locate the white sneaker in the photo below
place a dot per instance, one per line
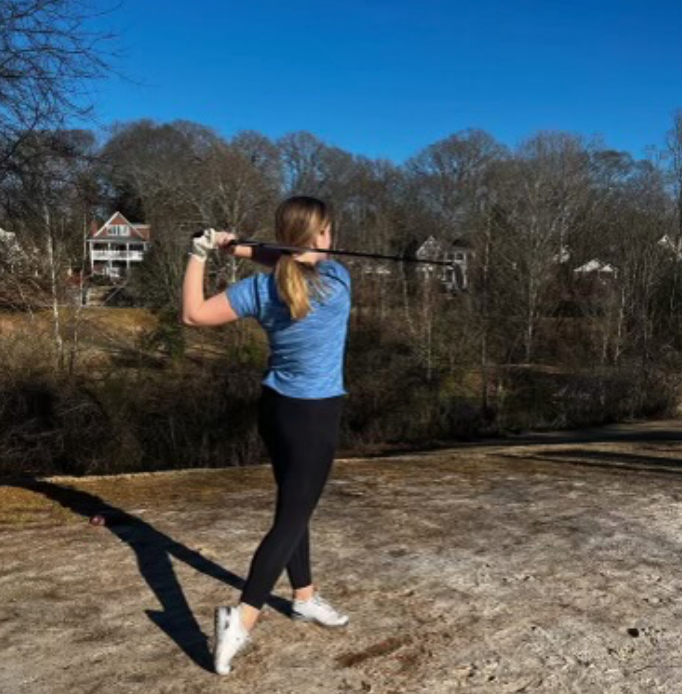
(231, 637)
(318, 610)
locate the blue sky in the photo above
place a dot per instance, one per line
(385, 78)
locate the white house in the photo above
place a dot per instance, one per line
(455, 277)
(376, 268)
(596, 266)
(10, 250)
(563, 256)
(117, 246)
(666, 243)
(15, 256)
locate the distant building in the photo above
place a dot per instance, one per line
(674, 247)
(10, 250)
(455, 277)
(596, 267)
(117, 246)
(563, 256)
(378, 268)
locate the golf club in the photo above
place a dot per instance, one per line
(336, 251)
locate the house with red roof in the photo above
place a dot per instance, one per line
(117, 246)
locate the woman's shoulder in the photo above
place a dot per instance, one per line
(260, 285)
(256, 281)
(336, 269)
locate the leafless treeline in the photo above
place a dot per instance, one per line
(534, 217)
(574, 307)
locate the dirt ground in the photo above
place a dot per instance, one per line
(548, 563)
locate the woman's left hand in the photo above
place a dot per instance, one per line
(223, 241)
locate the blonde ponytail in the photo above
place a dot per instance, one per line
(298, 220)
(294, 284)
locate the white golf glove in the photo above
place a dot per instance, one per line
(203, 244)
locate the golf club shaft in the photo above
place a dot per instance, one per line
(336, 251)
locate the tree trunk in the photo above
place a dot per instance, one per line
(54, 291)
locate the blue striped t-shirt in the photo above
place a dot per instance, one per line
(307, 355)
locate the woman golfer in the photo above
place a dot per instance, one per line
(303, 306)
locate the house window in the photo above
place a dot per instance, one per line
(459, 256)
(118, 230)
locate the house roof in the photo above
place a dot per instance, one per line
(595, 265)
(11, 248)
(137, 232)
(8, 239)
(669, 245)
(433, 247)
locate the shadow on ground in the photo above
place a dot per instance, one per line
(618, 461)
(634, 433)
(153, 552)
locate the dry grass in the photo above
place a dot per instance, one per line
(20, 506)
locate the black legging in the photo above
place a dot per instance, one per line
(301, 436)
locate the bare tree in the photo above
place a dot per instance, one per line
(180, 177)
(48, 57)
(674, 151)
(447, 174)
(48, 199)
(302, 158)
(543, 196)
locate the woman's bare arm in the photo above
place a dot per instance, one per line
(196, 310)
(262, 256)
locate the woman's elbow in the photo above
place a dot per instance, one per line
(188, 320)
